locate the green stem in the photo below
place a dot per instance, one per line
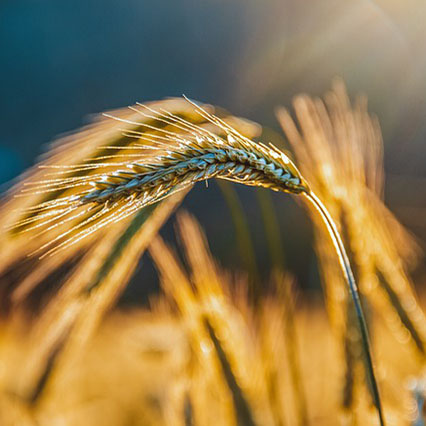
(244, 238)
(353, 288)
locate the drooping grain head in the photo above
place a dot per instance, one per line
(174, 155)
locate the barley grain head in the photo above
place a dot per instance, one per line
(168, 153)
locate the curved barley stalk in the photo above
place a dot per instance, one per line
(347, 270)
(339, 149)
(86, 197)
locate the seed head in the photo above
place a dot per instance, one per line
(172, 156)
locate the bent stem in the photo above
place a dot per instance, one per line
(347, 271)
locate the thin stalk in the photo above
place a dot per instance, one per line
(244, 238)
(353, 288)
(243, 412)
(286, 294)
(272, 228)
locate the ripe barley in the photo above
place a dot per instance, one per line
(163, 162)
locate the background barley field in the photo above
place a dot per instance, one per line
(224, 303)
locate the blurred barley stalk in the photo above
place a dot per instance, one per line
(200, 355)
(203, 354)
(340, 151)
